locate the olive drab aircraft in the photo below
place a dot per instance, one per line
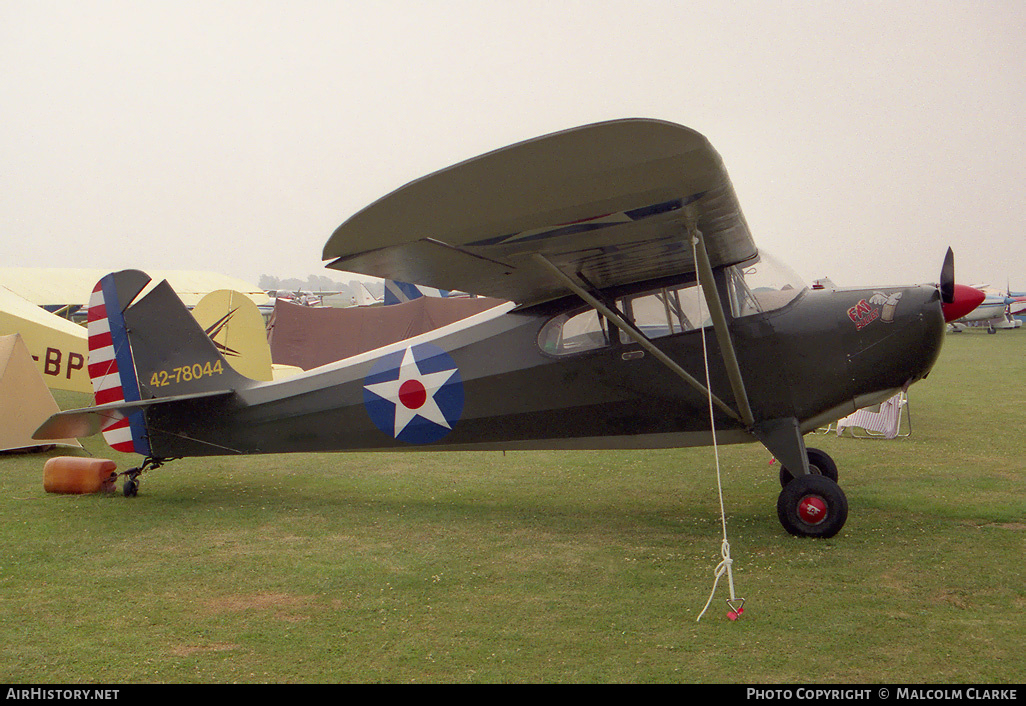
(621, 254)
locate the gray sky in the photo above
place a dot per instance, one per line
(862, 138)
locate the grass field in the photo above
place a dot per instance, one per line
(537, 567)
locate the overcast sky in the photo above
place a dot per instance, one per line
(862, 138)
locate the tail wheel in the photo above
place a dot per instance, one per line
(812, 506)
(131, 488)
(820, 464)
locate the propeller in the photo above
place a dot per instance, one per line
(957, 300)
(947, 278)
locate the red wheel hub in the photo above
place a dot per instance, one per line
(812, 509)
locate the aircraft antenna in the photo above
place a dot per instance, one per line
(735, 604)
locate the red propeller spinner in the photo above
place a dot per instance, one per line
(957, 300)
(963, 300)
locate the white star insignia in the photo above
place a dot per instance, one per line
(413, 394)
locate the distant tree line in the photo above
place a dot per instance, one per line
(313, 283)
(318, 283)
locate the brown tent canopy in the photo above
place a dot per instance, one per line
(308, 337)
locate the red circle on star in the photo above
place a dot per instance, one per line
(412, 394)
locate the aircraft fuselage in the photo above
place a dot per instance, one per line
(491, 383)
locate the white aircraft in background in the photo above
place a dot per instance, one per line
(363, 295)
(401, 292)
(1018, 309)
(994, 311)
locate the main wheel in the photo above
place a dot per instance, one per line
(820, 464)
(812, 506)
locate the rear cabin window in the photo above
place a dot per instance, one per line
(574, 333)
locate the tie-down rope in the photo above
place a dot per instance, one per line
(725, 565)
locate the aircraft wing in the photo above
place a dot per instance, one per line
(608, 201)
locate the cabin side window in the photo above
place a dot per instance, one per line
(657, 314)
(668, 311)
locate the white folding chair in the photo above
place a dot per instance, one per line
(881, 422)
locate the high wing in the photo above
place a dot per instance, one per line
(609, 202)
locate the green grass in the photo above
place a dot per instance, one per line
(540, 566)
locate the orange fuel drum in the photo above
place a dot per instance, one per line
(74, 474)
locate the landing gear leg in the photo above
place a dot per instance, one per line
(820, 464)
(131, 485)
(811, 503)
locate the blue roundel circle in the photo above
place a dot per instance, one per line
(414, 395)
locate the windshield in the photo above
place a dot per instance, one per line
(763, 285)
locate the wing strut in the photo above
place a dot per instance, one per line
(712, 300)
(635, 335)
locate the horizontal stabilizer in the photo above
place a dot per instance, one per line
(76, 423)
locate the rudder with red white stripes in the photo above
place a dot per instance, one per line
(111, 368)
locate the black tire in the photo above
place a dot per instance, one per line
(812, 506)
(820, 464)
(131, 488)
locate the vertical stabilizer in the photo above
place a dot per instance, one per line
(145, 347)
